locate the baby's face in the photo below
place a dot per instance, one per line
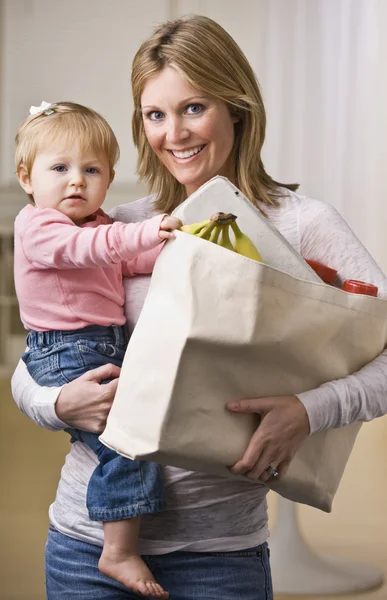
(68, 180)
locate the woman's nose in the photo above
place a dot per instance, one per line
(177, 130)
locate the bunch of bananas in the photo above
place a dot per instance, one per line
(216, 229)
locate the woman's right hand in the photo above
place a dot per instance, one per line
(85, 403)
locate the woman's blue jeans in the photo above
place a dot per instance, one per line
(72, 573)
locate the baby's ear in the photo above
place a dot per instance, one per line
(24, 180)
(112, 176)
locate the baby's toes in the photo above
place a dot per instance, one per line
(157, 591)
(143, 588)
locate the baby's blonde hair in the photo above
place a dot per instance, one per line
(70, 123)
(213, 63)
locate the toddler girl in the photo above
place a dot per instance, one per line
(69, 261)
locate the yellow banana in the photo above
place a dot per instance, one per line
(194, 228)
(216, 230)
(215, 233)
(243, 244)
(225, 241)
(206, 231)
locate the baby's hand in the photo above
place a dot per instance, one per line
(168, 224)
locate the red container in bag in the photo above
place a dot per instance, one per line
(327, 274)
(360, 287)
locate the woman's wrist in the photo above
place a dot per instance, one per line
(321, 408)
(61, 404)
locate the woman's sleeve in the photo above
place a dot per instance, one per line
(362, 396)
(35, 401)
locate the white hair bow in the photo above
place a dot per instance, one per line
(45, 107)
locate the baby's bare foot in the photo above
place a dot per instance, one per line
(132, 572)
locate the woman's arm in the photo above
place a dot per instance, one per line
(83, 403)
(362, 396)
(35, 401)
(286, 421)
(358, 397)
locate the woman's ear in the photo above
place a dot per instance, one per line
(235, 116)
(24, 180)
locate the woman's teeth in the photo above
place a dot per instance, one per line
(187, 153)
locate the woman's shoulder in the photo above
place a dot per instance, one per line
(296, 201)
(296, 214)
(133, 212)
(300, 205)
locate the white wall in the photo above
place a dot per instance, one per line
(77, 50)
(322, 65)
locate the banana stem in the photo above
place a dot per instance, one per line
(223, 218)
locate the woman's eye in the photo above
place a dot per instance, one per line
(92, 170)
(155, 115)
(194, 109)
(60, 168)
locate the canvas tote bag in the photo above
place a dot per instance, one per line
(216, 327)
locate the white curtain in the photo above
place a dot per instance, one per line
(322, 65)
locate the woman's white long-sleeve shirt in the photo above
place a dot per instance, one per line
(207, 513)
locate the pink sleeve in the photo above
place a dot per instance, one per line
(143, 263)
(51, 240)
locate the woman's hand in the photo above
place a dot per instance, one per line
(167, 226)
(85, 403)
(283, 428)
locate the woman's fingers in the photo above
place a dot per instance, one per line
(284, 426)
(100, 373)
(111, 388)
(85, 403)
(250, 457)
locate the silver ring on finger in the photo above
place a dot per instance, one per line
(271, 471)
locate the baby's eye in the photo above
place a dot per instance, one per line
(59, 168)
(92, 170)
(195, 109)
(155, 115)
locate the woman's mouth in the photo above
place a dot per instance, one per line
(185, 154)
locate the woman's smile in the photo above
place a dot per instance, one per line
(187, 155)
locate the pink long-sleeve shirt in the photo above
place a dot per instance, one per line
(69, 276)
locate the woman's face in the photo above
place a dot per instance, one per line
(191, 133)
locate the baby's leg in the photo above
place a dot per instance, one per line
(119, 492)
(121, 561)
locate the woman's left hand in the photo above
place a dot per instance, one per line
(283, 428)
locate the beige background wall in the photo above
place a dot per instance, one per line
(82, 50)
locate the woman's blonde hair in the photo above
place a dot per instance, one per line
(70, 123)
(212, 62)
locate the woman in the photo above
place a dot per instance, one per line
(199, 113)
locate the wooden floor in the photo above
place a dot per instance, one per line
(31, 460)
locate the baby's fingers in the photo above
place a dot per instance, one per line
(166, 235)
(170, 223)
